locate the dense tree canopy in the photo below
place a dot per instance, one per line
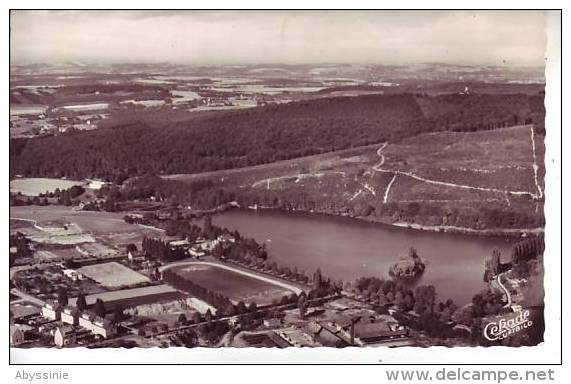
(138, 145)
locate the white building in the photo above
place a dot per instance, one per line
(209, 245)
(73, 274)
(96, 325)
(104, 328)
(226, 238)
(86, 319)
(196, 252)
(96, 184)
(64, 336)
(51, 311)
(179, 243)
(70, 316)
(273, 322)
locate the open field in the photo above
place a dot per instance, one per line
(113, 275)
(97, 250)
(235, 286)
(62, 239)
(35, 186)
(54, 231)
(17, 110)
(327, 163)
(20, 224)
(66, 253)
(96, 223)
(95, 234)
(46, 256)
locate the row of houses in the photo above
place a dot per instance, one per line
(74, 317)
(363, 332)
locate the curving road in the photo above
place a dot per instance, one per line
(506, 292)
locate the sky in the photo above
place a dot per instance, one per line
(289, 37)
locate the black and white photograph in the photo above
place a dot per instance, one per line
(280, 179)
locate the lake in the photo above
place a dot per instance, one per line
(347, 249)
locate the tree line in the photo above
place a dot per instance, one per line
(157, 249)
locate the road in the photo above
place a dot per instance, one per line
(25, 296)
(498, 280)
(535, 166)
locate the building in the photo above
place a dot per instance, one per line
(297, 338)
(265, 340)
(51, 311)
(136, 256)
(196, 252)
(179, 244)
(64, 336)
(369, 331)
(97, 325)
(226, 238)
(328, 335)
(208, 245)
(104, 327)
(273, 322)
(17, 335)
(85, 319)
(70, 316)
(73, 274)
(96, 184)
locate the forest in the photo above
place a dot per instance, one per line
(136, 144)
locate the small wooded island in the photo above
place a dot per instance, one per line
(408, 267)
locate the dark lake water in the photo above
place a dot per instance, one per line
(347, 249)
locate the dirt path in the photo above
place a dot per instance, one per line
(298, 177)
(379, 168)
(386, 197)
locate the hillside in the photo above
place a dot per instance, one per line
(137, 145)
(477, 180)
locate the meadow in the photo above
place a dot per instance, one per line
(36, 186)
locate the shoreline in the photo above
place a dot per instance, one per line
(449, 229)
(481, 232)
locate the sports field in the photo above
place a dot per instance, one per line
(235, 286)
(113, 274)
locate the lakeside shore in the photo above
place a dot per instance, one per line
(489, 232)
